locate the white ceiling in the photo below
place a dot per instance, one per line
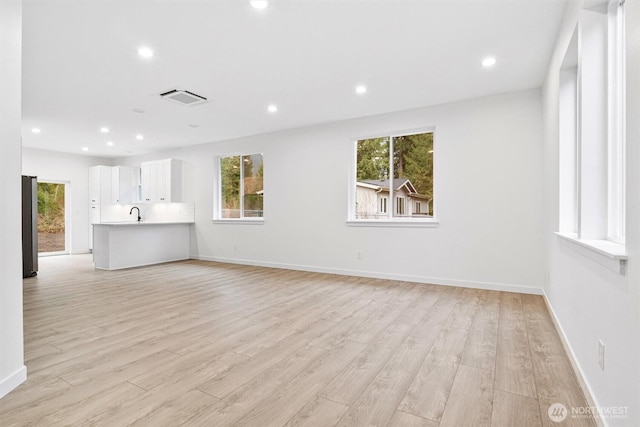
(81, 70)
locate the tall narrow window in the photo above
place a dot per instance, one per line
(383, 205)
(592, 129)
(616, 122)
(241, 187)
(396, 168)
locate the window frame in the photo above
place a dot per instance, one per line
(597, 227)
(400, 204)
(217, 185)
(616, 85)
(384, 204)
(391, 220)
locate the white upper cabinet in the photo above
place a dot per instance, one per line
(99, 184)
(124, 185)
(161, 181)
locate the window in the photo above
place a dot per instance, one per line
(399, 205)
(592, 122)
(398, 167)
(616, 121)
(383, 205)
(241, 187)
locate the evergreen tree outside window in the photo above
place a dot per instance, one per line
(398, 169)
(241, 187)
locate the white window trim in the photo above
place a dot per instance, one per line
(217, 196)
(243, 221)
(616, 122)
(400, 222)
(605, 252)
(602, 240)
(391, 221)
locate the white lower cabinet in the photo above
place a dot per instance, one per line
(94, 218)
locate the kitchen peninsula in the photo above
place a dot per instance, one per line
(120, 245)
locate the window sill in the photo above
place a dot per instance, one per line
(610, 254)
(238, 221)
(420, 223)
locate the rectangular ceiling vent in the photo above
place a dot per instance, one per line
(183, 97)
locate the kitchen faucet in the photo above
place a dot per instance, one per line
(131, 212)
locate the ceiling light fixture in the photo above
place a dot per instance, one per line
(259, 4)
(35, 130)
(85, 148)
(488, 62)
(361, 89)
(139, 137)
(110, 143)
(272, 108)
(145, 52)
(104, 130)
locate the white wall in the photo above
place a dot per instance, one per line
(74, 169)
(12, 369)
(488, 198)
(590, 301)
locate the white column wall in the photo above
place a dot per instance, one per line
(590, 301)
(12, 369)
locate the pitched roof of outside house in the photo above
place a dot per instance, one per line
(398, 183)
(384, 183)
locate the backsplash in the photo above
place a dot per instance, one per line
(150, 212)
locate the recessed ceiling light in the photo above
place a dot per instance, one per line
(145, 52)
(272, 108)
(85, 148)
(361, 89)
(104, 130)
(35, 130)
(259, 4)
(110, 143)
(489, 61)
(139, 137)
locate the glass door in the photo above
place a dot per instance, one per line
(52, 218)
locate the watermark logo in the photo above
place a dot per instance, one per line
(557, 412)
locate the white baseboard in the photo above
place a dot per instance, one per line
(165, 261)
(13, 381)
(584, 384)
(378, 275)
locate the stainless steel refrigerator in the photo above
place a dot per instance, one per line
(29, 226)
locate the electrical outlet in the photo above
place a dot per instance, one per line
(601, 354)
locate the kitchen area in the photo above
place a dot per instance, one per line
(137, 216)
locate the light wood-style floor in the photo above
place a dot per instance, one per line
(206, 344)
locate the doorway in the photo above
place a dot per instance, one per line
(52, 218)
